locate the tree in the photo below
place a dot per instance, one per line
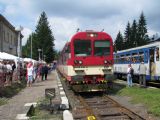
(26, 50)
(118, 44)
(127, 37)
(45, 39)
(142, 31)
(134, 35)
(42, 39)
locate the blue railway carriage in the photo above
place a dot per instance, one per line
(149, 54)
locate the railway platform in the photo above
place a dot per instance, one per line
(18, 105)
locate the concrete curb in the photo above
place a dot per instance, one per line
(67, 115)
(27, 108)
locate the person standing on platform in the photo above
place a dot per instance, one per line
(142, 75)
(9, 73)
(45, 71)
(42, 72)
(39, 73)
(1, 73)
(129, 75)
(30, 73)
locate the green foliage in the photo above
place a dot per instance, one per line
(142, 31)
(31, 111)
(42, 112)
(149, 97)
(118, 44)
(12, 90)
(127, 37)
(3, 101)
(57, 54)
(134, 35)
(42, 39)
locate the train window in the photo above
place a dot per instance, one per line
(82, 47)
(117, 58)
(128, 58)
(157, 54)
(135, 58)
(146, 56)
(101, 47)
(141, 56)
(114, 58)
(122, 58)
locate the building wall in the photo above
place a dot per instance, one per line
(0, 36)
(8, 37)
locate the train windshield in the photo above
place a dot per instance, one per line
(82, 47)
(101, 47)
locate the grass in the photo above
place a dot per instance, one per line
(148, 96)
(10, 91)
(42, 112)
(3, 101)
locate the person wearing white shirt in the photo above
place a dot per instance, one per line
(9, 73)
(29, 73)
(129, 76)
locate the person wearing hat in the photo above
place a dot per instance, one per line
(142, 74)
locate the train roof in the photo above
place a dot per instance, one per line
(157, 43)
(91, 31)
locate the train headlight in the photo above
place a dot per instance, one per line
(105, 61)
(91, 35)
(80, 62)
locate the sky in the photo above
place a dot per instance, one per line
(66, 16)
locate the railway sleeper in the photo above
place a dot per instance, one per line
(122, 117)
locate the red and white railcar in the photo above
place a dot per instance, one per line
(87, 61)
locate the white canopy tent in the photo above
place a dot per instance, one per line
(29, 59)
(6, 56)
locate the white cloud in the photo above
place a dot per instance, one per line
(26, 32)
(63, 29)
(65, 16)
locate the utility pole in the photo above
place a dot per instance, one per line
(39, 50)
(31, 46)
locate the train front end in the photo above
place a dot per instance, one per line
(90, 66)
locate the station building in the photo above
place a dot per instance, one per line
(9, 37)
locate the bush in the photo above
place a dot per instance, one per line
(3, 101)
(10, 91)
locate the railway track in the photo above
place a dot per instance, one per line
(102, 108)
(97, 107)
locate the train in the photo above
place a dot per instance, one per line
(86, 61)
(149, 54)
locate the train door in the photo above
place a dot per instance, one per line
(157, 63)
(152, 62)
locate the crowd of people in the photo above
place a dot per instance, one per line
(36, 72)
(7, 72)
(29, 71)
